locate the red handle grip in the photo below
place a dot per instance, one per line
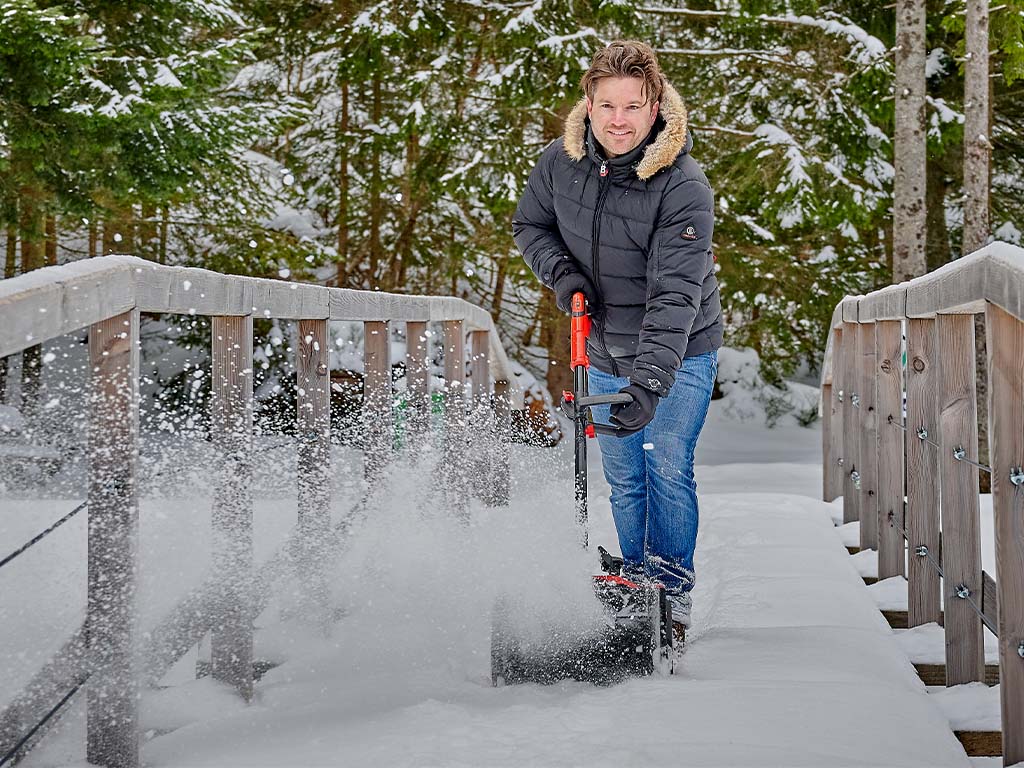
(580, 331)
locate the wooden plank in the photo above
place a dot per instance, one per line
(1005, 342)
(889, 394)
(829, 468)
(961, 534)
(189, 291)
(479, 367)
(417, 381)
(935, 674)
(922, 473)
(67, 669)
(313, 426)
(851, 426)
(53, 301)
(455, 480)
(231, 515)
(982, 743)
(378, 415)
(963, 286)
(889, 303)
(899, 619)
(868, 446)
(832, 425)
(112, 715)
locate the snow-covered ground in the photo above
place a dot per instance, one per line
(788, 663)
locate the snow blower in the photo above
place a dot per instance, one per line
(637, 628)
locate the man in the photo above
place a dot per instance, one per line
(618, 209)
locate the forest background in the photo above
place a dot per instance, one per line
(384, 145)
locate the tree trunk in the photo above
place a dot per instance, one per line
(10, 264)
(910, 148)
(118, 231)
(11, 260)
(499, 286)
(977, 169)
(94, 236)
(376, 203)
(33, 237)
(51, 240)
(977, 147)
(147, 232)
(165, 221)
(937, 249)
(555, 327)
(341, 277)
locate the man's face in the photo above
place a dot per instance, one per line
(620, 114)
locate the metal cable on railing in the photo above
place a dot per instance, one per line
(39, 537)
(25, 739)
(962, 591)
(959, 453)
(44, 534)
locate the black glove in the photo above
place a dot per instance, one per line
(638, 413)
(567, 283)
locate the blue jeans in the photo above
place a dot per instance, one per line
(654, 495)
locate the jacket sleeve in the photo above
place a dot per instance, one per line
(676, 269)
(535, 227)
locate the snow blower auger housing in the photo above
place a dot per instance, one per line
(638, 617)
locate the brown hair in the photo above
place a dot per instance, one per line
(626, 58)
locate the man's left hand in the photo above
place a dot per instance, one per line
(639, 413)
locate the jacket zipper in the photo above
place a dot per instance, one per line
(604, 186)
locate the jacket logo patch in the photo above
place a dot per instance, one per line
(689, 234)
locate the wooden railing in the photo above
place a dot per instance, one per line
(106, 295)
(903, 477)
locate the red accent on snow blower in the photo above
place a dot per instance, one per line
(580, 331)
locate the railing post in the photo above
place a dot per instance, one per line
(868, 464)
(961, 536)
(417, 381)
(502, 469)
(832, 424)
(231, 515)
(851, 425)
(313, 425)
(480, 367)
(112, 717)
(889, 390)
(455, 417)
(378, 418)
(1005, 342)
(922, 474)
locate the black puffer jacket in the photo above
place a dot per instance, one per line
(641, 232)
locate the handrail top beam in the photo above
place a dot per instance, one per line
(52, 301)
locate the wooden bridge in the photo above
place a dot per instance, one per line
(901, 476)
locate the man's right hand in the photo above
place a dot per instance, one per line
(570, 283)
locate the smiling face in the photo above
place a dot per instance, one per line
(620, 114)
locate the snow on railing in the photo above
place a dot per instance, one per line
(900, 445)
(106, 296)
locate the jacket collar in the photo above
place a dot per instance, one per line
(659, 151)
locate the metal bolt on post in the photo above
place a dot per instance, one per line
(962, 591)
(855, 399)
(840, 395)
(922, 433)
(855, 476)
(1017, 476)
(959, 453)
(1020, 650)
(921, 551)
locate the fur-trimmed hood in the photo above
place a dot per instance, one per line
(659, 154)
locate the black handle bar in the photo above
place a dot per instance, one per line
(612, 399)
